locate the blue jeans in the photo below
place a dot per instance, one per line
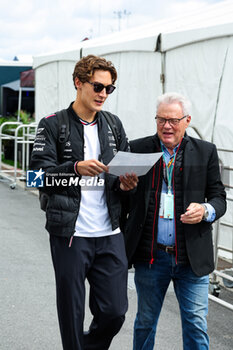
(192, 295)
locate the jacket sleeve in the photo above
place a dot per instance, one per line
(44, 154)
(215, 192)
(124, 147)
(123, 140)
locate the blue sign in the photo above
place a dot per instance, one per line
(35, 178)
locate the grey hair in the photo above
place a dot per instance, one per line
(174, 97)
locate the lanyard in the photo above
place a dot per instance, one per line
(169, 170)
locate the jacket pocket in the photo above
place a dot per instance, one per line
(54, 216)
(206, 231)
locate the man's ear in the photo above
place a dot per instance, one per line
(78, 83)
(188, 120)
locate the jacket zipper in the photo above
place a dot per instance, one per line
(156, 205)
(173, 182)
(72, 236)
(105, 178)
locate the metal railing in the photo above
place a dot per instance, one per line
(22, 134)
(221, 223)
(5, 173)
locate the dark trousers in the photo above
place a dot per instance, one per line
(103, 262)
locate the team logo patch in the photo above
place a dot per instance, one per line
(39, 130)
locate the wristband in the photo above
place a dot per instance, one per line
(76, 168)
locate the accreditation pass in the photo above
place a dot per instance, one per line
(166, 210)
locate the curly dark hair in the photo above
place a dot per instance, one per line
(86, 67)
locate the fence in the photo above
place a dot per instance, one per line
(226, 275)
(21, 134)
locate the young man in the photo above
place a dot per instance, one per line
(168, 233)
(83, 221)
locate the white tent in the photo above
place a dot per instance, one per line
(190, 54)
(193, 55)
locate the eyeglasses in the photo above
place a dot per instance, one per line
(173, 122)
(98, 87)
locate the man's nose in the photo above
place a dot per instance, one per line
(167, 124)
(103, 93)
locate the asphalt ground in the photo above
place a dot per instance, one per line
(28, 319)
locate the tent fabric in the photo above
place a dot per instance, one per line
(177, 42)
(190, 51)
(15, 85)
(200, 79)
(54, 87)
(171, 41)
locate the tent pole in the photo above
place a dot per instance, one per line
(218, 95)
(162, 75)
(1, 102)
(19, 104)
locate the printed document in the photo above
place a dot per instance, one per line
(138, 163)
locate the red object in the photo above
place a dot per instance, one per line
(27, 78)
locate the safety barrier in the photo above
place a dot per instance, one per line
(214, 285)
(26, 137)
(4, 173)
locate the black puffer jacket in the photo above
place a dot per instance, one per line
(64, 202)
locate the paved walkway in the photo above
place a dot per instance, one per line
(28, 319)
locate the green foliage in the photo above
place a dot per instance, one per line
(7, 144)
(25, 118)
(10, 162)
(8, 129)
(7, 119)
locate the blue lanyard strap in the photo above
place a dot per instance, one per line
(169, 170)
(170, 165)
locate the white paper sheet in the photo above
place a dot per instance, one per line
(138, 163)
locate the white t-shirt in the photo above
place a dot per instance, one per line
(93, 218)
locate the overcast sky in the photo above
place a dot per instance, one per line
(32, 27)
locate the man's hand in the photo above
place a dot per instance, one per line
(194, 214)
(91, 167)
(128, 181)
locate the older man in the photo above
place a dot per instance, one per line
(168, 232)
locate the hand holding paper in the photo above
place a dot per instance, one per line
(128, 182)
